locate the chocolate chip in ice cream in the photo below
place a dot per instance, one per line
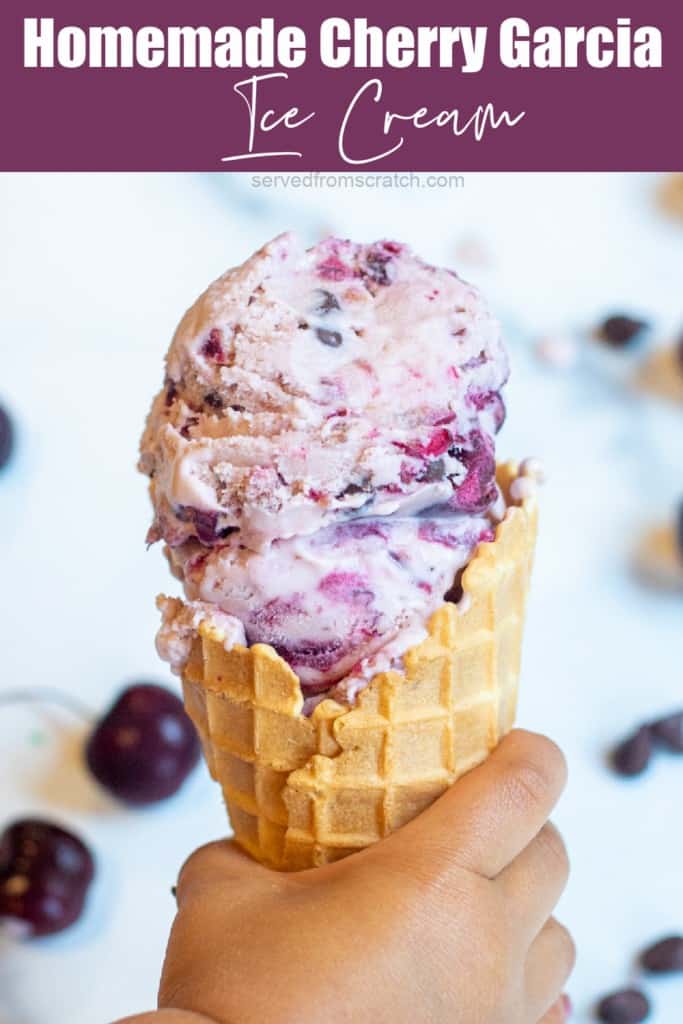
(454, 594)
(213, 399)
(629, 1006)
(434, 470)
(668, 731)
(325, 302)
(171, 393)
(618, 330)
(332, 339)
(350, 489)
(378, 261)
(632, 757)
(665, 956)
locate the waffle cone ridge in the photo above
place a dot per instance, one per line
(306, 791)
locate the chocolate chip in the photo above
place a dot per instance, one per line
(665, 956)
(171, 392)
(227, 531)
(376, 268)
(303, 325)
(213, 399)
(237, 408)
(629, 1006)
(350, 489)
(619, 330)
(326, 302)
(632, 756)
(669, 732)
(454, 594)
(332, 339)
(6, 438)
(434, 470)
(192, 421)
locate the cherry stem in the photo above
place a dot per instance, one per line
(48, 696)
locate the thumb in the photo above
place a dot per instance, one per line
(219, 864)
(489, 815)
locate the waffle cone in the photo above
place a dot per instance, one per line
(305, 791)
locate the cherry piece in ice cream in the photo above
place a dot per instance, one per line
(144, 747)
(45, 872)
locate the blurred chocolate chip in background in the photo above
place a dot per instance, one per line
(632, 757)
(669, 732)
(619, 330)
(6, 437)
(629, 1006)
(665, 956)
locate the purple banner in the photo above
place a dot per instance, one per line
(216, 86)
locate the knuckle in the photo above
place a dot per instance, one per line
(539, 767)
(566, 947)
(528, 786)
(194, 867)
(554, 848)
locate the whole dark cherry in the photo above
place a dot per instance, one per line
(145, 746)
(45, 873)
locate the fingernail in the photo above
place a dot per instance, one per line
(566, 1006)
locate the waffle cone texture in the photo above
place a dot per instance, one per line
(306, 791)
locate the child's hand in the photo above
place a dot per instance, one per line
(445, 922)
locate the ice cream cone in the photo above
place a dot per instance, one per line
(305, 791)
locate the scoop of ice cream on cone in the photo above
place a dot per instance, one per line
(321, 456)
(324, 601)
(311, 385)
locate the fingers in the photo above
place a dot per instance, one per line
(490, 815)
(549, 963)
(536, 879)
(217, 864)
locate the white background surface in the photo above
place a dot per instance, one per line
(95, 272)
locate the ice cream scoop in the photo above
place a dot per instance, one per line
(309, 385)
(326, 600)
(321, 455)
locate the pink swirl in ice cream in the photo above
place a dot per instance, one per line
(322, 453)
